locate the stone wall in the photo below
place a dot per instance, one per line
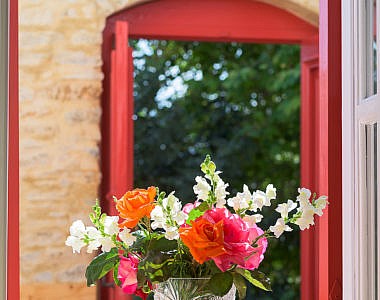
(60, 87)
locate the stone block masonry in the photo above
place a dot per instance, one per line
(60, 87)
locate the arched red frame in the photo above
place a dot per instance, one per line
(251, 22)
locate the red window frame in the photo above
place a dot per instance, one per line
(322, 276)
(251, 22)
(13, 257)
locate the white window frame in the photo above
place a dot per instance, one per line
(356, 111)
(3, 144)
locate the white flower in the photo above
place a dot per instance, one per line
(180, 218)
(78, 229)
(304, 196)
(242, 201)
(279, 227)
(320, 204)
(285, 208)
(111, 225)
(75, 242)
(307, 217)
(254, 219)
(259, 200)
(172, 233)
(157, 215)
(270, 192)
(202, 188)
(168, 215)
(76, 237)
(171, 203)
(127, 237)
(107, 243)
(221, 193)
(93, 235)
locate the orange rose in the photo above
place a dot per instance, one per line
(204, 239)
(135, 205)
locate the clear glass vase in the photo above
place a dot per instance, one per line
(188, 289)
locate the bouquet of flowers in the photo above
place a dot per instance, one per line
(217, 237)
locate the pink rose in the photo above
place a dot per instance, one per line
(189, 206)
(238, 238)
(127, 273)
(254, 261)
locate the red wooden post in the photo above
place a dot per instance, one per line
(330, 151)
(118, 168)
(309, 153)
(13, 257)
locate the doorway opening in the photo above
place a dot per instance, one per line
(238, 102)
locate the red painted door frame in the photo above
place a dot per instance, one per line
(251, 22)
(309, 154)
(330, 150)
(13, 257)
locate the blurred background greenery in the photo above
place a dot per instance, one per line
(238, 102)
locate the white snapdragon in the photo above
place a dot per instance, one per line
(111, 226)
(169, 216)
(270, 193)
(279, 227)
(157, 215)
(81, 236)
(221, 193)
(202, 188)
(308, 208)
(307, 217)
(77, 235)
(304, 196)
(127, 237)
(93, 236)
(180, 218)
(253, 219)
(171, 233)
(107, 243)
(320, 204)
(78, 229)
(242, 201)
(285, 208)
(259, 200)
(171, 204)
(75, 242)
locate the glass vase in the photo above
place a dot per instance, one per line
(188, 289)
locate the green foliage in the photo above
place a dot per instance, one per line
(220, 283)
(256, 277)
(240, 104)
(101, 265)
(197, 212)
(240, 285)
(115, 273)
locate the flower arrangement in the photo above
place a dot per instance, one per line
(154, 238)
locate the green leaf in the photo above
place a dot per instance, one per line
(141, 240)
(197, 212)
(257, 278)
(101, 265)
(240, 285)
(160, 243)
(193, 215)
(155, 266)
(220, 283)
(115, 273)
